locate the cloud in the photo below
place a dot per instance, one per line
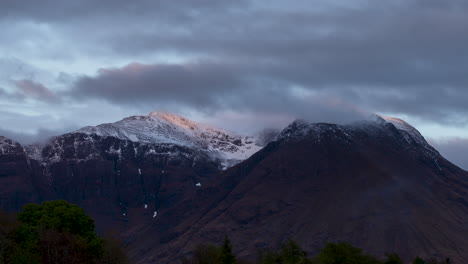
(28, 129)
(323, 60)
(51, 11)
(454, 149)
(13, 69)
(196, 84)
(401, 57)
(35, 90)
(38, 137)
(212, 87)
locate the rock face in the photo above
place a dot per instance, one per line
(19, 176)
(123, 172)
(110, 177)
(159, 181)
(225, 147)
(141, 162)
(376, 184)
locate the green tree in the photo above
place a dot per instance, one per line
(205, 254)
(113, 251)
(343, 253)
(8, 225)
(418, 260)
(66, 221)
(54, 232)
(226, 252)
(267, 256)
(393, 259)
(290, 253)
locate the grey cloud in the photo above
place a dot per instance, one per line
(12, 68)
(28, 129)
(35, 90)
(211, 87)
(197, 84)
(406, 56)
(26, 138)
(56, 10)
(454, 149)
(324, 60)
(38, 137)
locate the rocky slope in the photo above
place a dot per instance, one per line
(19, 176)
(141, 163)
(158, 180)
(376, 184)
(163, 128)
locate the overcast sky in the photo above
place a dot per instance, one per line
(241, 65)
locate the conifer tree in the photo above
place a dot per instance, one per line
(226, 252)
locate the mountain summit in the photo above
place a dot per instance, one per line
(165, 128)
(158, 179)
(376, 184)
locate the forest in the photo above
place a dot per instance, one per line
(57, 232)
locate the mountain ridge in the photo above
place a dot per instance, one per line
(228, 148)
(369, 183)
(373, 183)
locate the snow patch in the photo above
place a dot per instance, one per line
(165, 128)
(133, 138)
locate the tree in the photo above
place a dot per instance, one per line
(343, 253)
(393, 259)
(113, 251)
(60, 230)
(418, 260)
(8, 224)
(435, 261)
(205, 254)
(290, 253)
(53, 232)
(226, 252)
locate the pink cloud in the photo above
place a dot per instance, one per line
(35, 90)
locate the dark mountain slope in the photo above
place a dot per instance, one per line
(20, 177)
(122, 173)
(377, 186)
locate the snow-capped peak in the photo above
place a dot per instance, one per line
(8, 146)
(301, 128)
(404, 126)
(6, 141)
(174, 119)
(166, 128)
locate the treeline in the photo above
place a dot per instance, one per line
(291, 253)
(55, 232)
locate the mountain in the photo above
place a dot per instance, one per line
(141, 162)
(377, 184)
(165, 128)
(19, 182)
(166, 183)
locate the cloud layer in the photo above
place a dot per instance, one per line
(233, 62)
(404, 57)
(454, 149)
